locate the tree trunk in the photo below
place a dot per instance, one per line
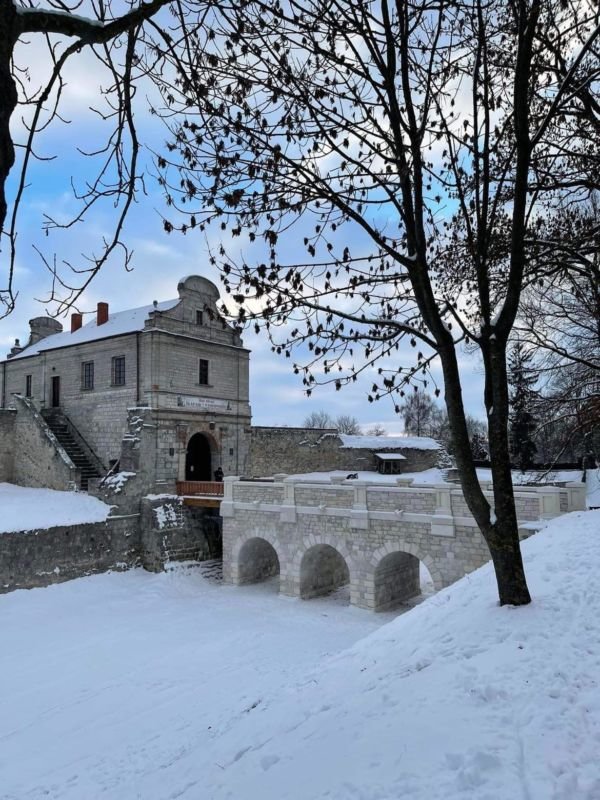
(8, 100)
(503, 538)
(500, 529)
(505, 549)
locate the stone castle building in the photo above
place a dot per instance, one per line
(179, 358)
(68, 398)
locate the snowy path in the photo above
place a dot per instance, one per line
(109, 681)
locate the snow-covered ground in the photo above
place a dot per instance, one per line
(436, 475)
(25, 509)
(535, 476)
(164, 686)
(433, 475)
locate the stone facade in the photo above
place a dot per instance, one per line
(7, 443)
(178, 358)
(298, 450)
(319, 536)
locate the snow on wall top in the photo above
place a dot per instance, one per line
(380, 443)
(25, 508)
(129, 321)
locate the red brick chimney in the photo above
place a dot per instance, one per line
(102, 314)
(76, 322)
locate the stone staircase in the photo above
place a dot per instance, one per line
(71, 441)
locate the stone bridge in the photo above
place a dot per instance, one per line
(319, 536)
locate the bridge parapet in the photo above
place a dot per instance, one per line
(445, 499)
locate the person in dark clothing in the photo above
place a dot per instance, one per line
(219, 475)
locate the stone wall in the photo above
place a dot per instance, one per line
(35, 558)
(164, 531)
(7, 443)
(298, 450)
(171, 531)
(39, 459)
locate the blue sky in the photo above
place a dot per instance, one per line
(159, 260)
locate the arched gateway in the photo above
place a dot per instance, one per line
(198, 459)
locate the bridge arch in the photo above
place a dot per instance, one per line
(257, 559)
(394, 574)
(323, 566)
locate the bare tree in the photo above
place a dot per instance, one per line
(319, 419)
(118, 41)
(411, 149)
(560, 321)
(346, 423)
(418, 411)
(376, 430)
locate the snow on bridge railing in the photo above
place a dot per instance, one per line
(533, 502)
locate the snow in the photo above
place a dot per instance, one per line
(534, 477)
(166, 515)
(26, 509)
(426, 476)
(592, 488)
(185, 688)
(391, 456)
(52, 12)
(117, 481)
(118, 323)
(389, 442)
(433, 476)
(115, 686)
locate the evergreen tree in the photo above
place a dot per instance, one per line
(479, 447)
(522, 378)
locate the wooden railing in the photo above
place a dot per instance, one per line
(206, 488)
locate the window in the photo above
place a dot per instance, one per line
(27, 385)
(87, 375)
(199, 318)
(118, 371)
(203, 372)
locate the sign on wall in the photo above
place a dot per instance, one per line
(203, 403)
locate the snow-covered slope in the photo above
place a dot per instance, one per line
(24, 509)
(459, 698)
(162, 686)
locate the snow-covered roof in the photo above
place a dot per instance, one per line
(380, 443)
(121, 322)
(390, 456)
